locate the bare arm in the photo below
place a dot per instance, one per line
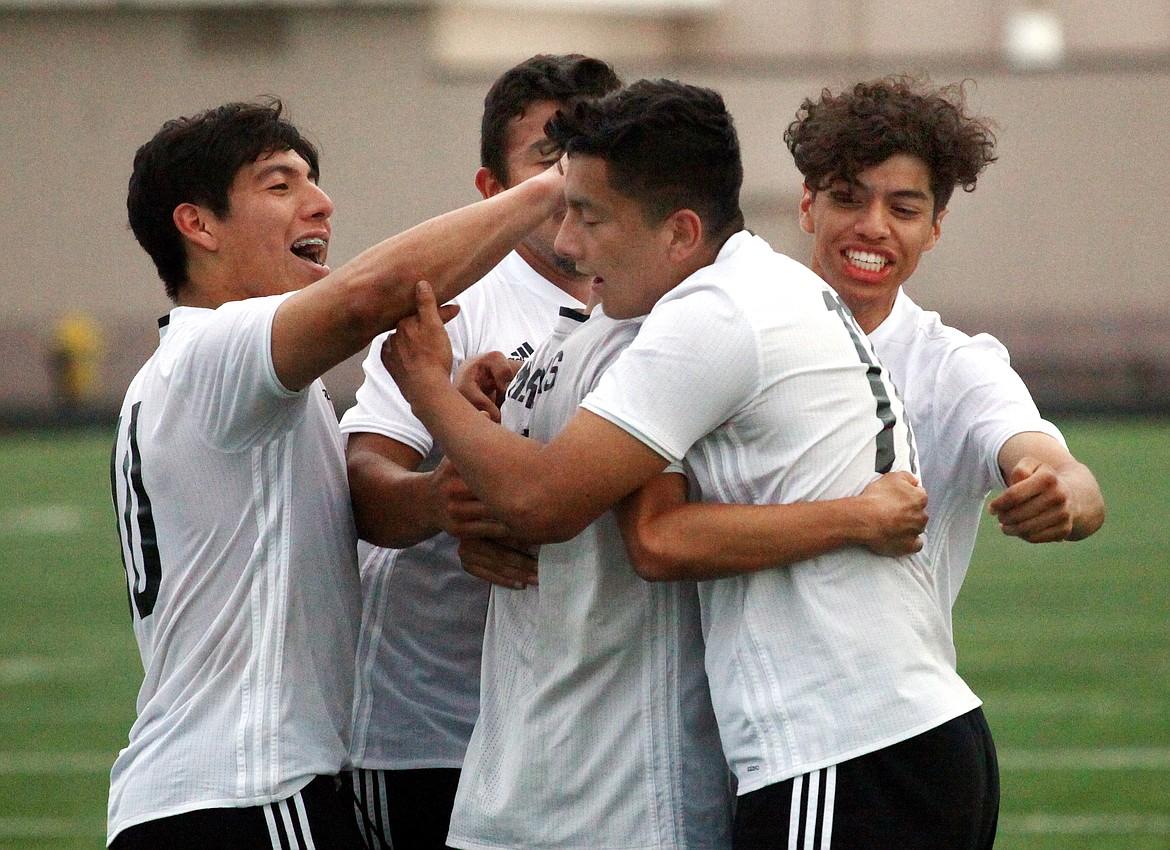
(323, 324)
(1050, 494)
(545, 493)
(396, 506)
(669, 538)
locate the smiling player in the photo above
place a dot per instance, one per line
(229, 482)
(880, 163)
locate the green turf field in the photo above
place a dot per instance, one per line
(1069, 645)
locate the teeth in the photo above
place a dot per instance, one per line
(867, 260)
(311, 248)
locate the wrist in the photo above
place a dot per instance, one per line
(857, 527)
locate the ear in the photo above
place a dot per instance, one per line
(487, 183)
(192, 223)
(806, 202)
(683, 230)
(935, 230)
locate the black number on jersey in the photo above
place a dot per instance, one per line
(886, 455)
(531, 381)
(135, 521)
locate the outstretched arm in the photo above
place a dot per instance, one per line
(1050, 494)
(669, 538)
(323, 324)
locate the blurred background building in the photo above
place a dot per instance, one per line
(1062, 251)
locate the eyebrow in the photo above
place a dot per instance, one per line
(544, 146)
(905, 194)
(580, 203)
(913, 194)
(276, 168)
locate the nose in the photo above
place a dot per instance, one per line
(566, 243)
(319, 204)
(872, 223)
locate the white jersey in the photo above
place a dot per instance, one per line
(754, 371)
(965, 401)
(417, 692)
(596, 728)
(238, 541)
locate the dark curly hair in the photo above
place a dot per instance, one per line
(544, 77)
(195, 160)
(839, 136)
(667, 145)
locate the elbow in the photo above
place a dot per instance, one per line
(542, 517)
(654, 558)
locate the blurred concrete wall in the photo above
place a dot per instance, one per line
(1061, 251)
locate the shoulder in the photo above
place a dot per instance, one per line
(926, 343)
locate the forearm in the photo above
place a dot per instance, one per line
(701, 541)
(325, 323)
(391, 505)
(451, 251)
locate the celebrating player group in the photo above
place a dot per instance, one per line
(639, 535)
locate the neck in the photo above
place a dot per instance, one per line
(871, 314)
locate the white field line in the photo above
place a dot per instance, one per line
(1047, 823)
(52, 520)
(55, 764)
(1033, 823)
(49, 828)
(1087, 758)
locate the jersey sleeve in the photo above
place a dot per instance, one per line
(227, 379)
(693, 364)
(980, 403)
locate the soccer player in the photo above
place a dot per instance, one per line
(417, 692)
(229, 480)
(833, 679)
(880, 162)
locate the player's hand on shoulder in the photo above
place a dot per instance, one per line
(1036, 506)
(483, 380)
(895, 508)
(503, 562)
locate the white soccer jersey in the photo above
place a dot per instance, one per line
(754, 372)
(596, 728)
(238, 541)
(417, 692)
(965, 401)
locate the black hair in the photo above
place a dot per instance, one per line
(667, 145)
(545, 77)
(840, 135)
(195, 160)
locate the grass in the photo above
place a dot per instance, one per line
(1069, 646)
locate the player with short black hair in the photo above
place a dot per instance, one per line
(229, 480)
(417, 692)
(747, 369)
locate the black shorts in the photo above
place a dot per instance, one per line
(936, 791)
(405, 809)
(319, 815)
